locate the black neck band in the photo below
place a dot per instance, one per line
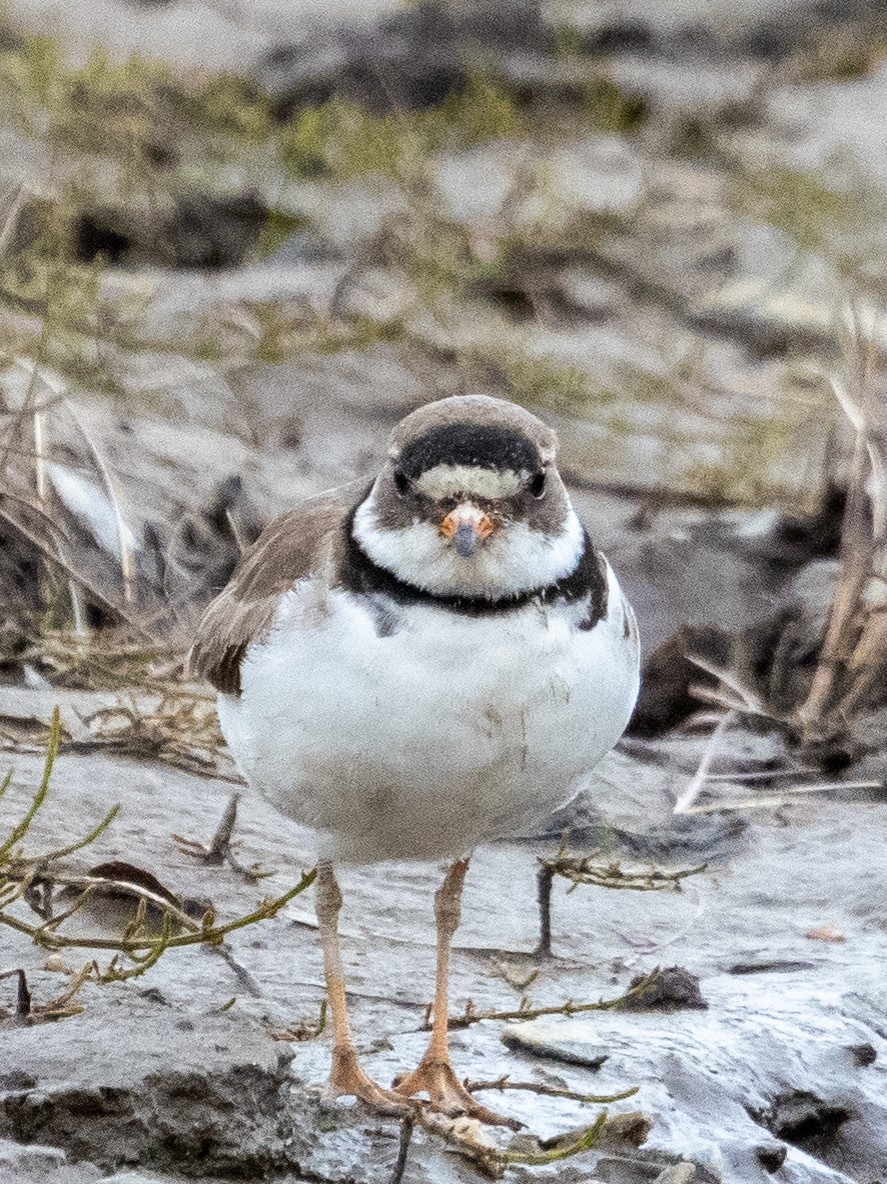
(587, 581)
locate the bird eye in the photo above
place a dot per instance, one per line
(401, 482)
(537, 485)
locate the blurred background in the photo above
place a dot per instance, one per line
(238, 241)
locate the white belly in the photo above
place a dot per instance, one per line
(451, 730)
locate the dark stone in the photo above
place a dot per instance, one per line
(209, 233)
(772, 1156)
(410, 61)
(769, 967)
(95, 237)
(864, 1054)
(771, 41)
(18, 1079)
(666, 698)
(628, 36)
(672, 989)
(200, 232)
(805, 1121)
(796, 540)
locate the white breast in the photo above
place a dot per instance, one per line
(451, 730)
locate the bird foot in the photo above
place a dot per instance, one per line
(347, 1079)
(447, 1093)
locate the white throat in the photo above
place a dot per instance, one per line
(514, 561)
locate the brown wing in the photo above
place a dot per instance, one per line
(286, 550)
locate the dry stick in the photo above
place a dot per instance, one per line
(23, 994)
(544, 881)
(470, 1016)
(491, 1160)
(407, 1126)
(91, 884)
(15, 208)
(40, 474)
(36, 373)
(28, 407)
(549, 1091)
(22, 499)
(746, 700)
(214, 852)
(581, 871)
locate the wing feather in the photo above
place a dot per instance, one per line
(288, 549)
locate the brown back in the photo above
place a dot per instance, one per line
(288, 549)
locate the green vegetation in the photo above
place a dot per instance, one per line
(135, 108)
(541, 383)
(140, 945)
(805, 207)
(342, 140)
(612, 110)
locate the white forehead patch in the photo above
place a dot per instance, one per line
(450, 480)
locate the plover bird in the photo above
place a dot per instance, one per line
(418, 665)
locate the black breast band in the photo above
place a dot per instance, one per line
(587, 582)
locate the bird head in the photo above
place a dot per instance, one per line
(470, 502)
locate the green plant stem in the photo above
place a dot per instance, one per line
(212, 936)
(52, 747)
(549, 1091)
(583, 1141)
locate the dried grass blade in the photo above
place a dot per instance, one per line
(127, 564)
(685, 802)
(784, 799)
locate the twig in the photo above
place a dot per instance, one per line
(79, 577)
(127, 565)
(27, 1012)
(214, 852)
(492, 1161)
(549, 1091)
(544, 881)
(15, 208)
(585, 871)
(22, 994)
(407, 1126)
(611, 875)
(471, 1016)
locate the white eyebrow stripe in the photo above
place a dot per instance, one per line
(448, 480)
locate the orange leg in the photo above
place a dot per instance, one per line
(435, 1075)
(346, 1076)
